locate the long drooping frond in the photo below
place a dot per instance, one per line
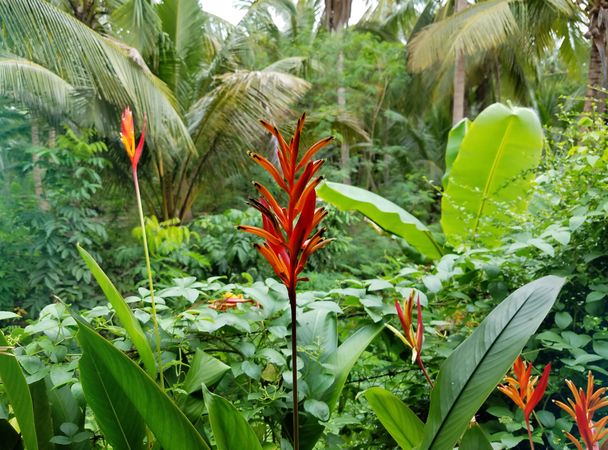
(97, 67)
(37, 88)
(137, 24)
(475, 29)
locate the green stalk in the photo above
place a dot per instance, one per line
(294, 369)
(149, 270)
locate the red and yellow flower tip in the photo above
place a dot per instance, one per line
(288, 231)
(523, 389)
(412, 340)
(582, 409)
(127, 136)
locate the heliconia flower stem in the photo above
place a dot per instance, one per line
(150, 282)
(294, 370)
(426, 375)
(529, 434)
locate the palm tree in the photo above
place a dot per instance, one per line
(484, 31)
(179, 67)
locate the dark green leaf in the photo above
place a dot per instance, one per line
(474, 369)
(401, 423)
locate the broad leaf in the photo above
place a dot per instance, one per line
(475, 439)
(455, 138)
(170, 426)
(490, 179)
(401, 423)
(121, 425)
(42, 414)
(383, 212)
(18, 395)
(474, 369)
(124, 313)
(230, 429)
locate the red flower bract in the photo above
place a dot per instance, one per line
(127, 136)
(288, 231)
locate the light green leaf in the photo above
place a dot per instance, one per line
(490, 178)
(124, 313)
(386, 214)
(318, 409)
(455, 138)
(204, 369)
(8, 315)
(399, 420)
(170, 426)
(230, 429)
(18, 395)
(345, 357)
(472, 371)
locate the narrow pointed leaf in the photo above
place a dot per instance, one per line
(230, 429)
(19, 396)
(489, 183)
(474, 369)
(345, 358)
(399, 420)
(170, 426)
(124, 313)
(383, 212)
(121, 425)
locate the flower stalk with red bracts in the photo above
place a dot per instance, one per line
(524, 391)
(289, 232)
(582, 408)
(412, 340)
(127, 136)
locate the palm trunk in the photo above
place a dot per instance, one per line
(37, 171)
(595, 97)
(341, 96)
(459, 77)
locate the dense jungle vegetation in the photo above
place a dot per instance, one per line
(420, 263)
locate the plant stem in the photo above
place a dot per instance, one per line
(294, 369)
(150, 283)
(426, 375)
(529, 435)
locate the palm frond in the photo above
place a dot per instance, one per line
(138, 25)
(95, 66)
(37, 88)
(477, 28)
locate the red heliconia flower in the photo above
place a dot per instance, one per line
(411, 339)
(524, 391)
(288, 231)
(414, 340)
(127, 136)
(582, 408)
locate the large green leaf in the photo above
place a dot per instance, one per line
(122, 426)
(455, 138)
(474, 369)
(400, 421)
(124, 313)
(490, 179)
(230, 429)
(18, 395)
(170, 426)
(386, 214)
